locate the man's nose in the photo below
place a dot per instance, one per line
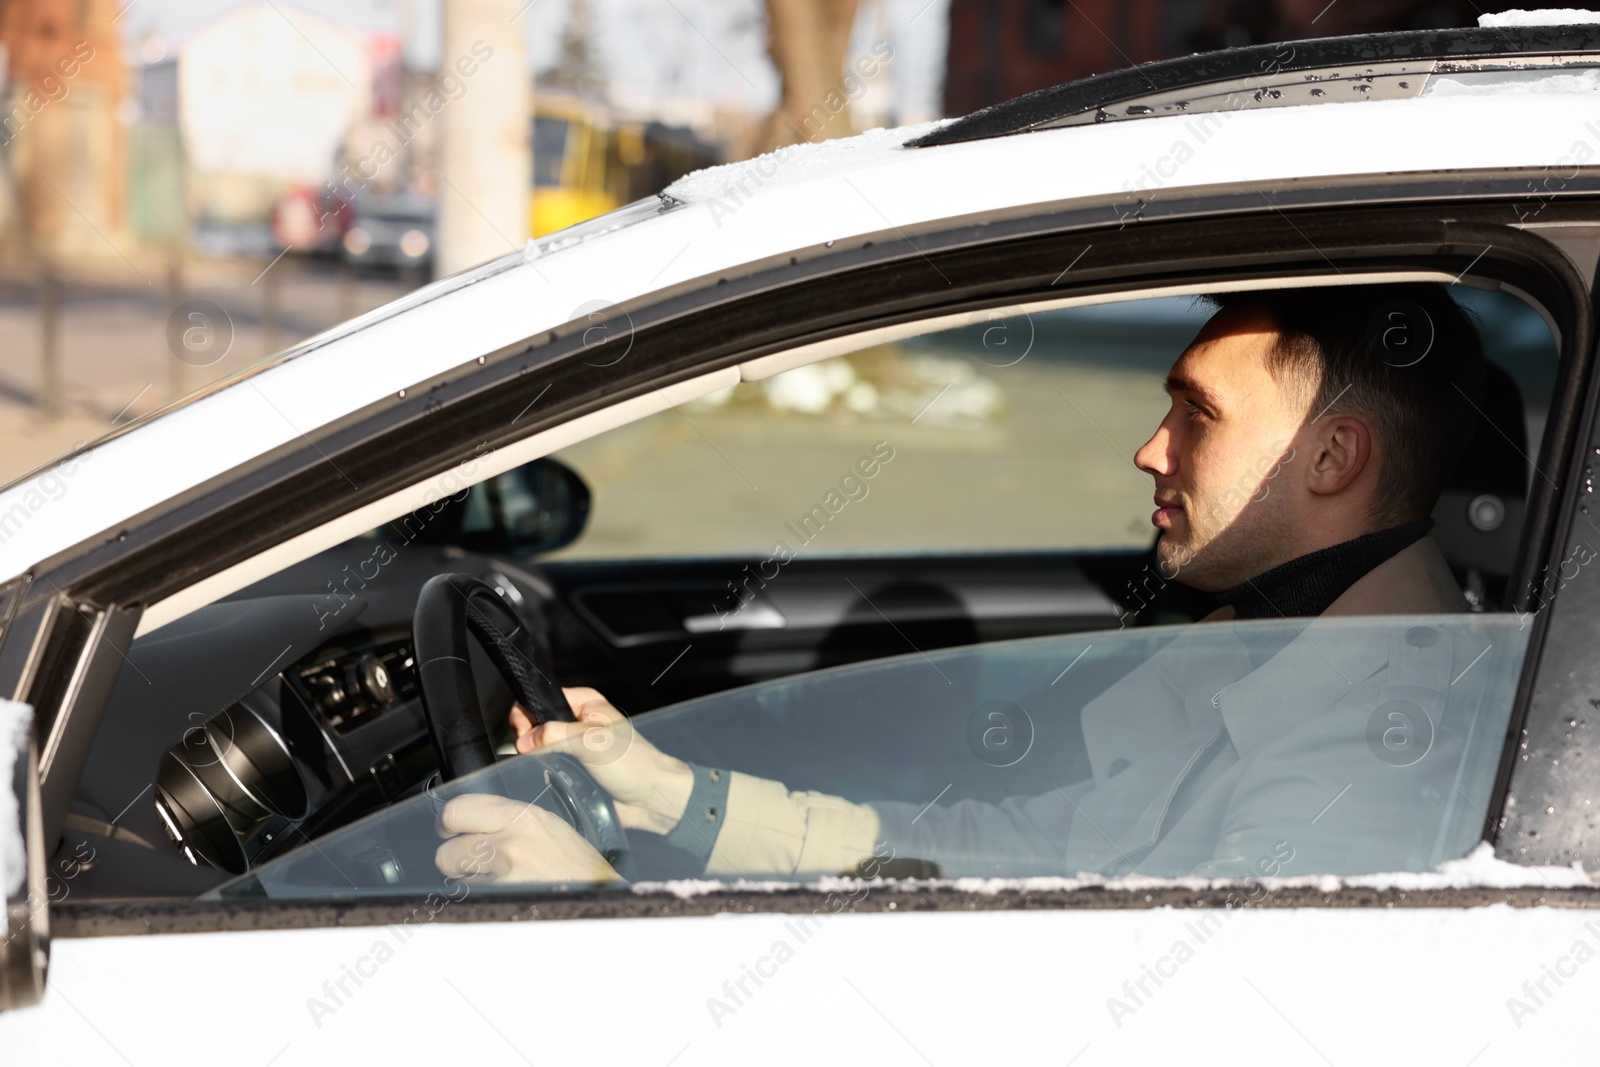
(1155, 456)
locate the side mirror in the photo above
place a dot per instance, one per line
(25, 952)
(536, 508)
(543, 505)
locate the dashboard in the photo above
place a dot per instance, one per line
(210, 759)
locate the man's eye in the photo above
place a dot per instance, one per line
(1194, 410)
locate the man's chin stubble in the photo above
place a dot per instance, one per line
(1182, 564)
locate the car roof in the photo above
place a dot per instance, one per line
(716, 222)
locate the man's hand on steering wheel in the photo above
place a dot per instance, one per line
(452, 611)
(650, 788)
(496, 839)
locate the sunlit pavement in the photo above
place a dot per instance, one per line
(116, 361)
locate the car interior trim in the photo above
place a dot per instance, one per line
(1579, 240)
(70, 731)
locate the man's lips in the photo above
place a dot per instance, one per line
(1165, 515)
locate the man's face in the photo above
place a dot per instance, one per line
(1219, 458)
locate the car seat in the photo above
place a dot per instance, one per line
(1479, 516)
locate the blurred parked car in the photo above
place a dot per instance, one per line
(392, 231)
(312, 220)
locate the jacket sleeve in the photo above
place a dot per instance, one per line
(1018, 836)
(770, 830)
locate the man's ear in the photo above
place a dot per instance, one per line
(1340, 449)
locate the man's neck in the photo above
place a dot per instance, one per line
(1308, 584)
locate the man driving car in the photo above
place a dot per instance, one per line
(1308, 436)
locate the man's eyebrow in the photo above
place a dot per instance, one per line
(1177, 383)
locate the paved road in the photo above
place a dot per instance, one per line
(114, 355)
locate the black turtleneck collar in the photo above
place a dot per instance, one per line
(1307, 585)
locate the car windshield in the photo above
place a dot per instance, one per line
(1331, 746)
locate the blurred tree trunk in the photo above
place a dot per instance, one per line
(58, 124)
(807, 40)
(485, 155)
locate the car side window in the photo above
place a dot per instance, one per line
(1009, 432)
(1341, 746)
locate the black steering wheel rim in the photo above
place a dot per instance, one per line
(452, 609)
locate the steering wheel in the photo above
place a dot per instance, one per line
(450, 607)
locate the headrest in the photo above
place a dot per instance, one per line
(1478, 518)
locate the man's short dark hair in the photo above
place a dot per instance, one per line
(1403, 357)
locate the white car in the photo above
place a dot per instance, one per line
(817, 465)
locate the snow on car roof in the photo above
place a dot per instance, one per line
(795, 162)
(1556, 16)
(1516, 83)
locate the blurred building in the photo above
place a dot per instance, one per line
(157, 213)
(62, 150)
(1234, 22)
(999, 49)
(266, 97)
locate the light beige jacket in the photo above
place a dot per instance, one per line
(769, 829)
